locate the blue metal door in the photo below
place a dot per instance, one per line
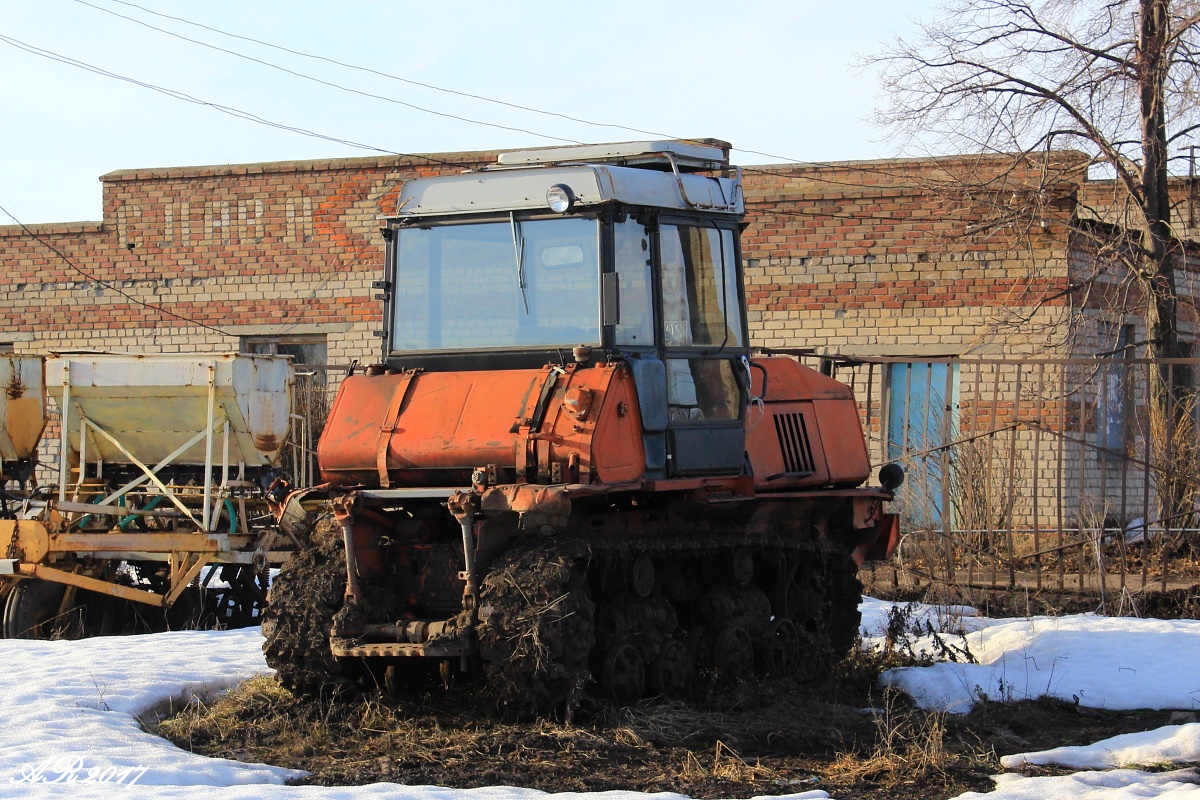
(922, 417)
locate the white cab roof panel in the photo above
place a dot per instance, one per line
(591, 185)
(688, 155)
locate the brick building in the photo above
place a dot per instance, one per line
(876, 259)
(236, 256)
(860, 257)
(863, 258)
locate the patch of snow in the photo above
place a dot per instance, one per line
(1124, 784)
(70, 710)
(76, 702)
(374, 791)
(1098, 662)
(1172, 744)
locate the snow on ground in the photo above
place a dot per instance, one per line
(78, 700)
(70, 730)
(1124, 784)
(1173, 744)
(1099, 662)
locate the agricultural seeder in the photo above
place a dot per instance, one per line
(154, 506)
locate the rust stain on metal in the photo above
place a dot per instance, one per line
(16, 387)
(266, 442)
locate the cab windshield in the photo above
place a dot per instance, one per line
(516, 283)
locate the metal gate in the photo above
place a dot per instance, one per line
(1037, 473)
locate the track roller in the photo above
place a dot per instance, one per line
(733, 654)
(623, 674)
(668, 675)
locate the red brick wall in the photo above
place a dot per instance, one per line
(893, 257)
(250, 245)
(850, 256)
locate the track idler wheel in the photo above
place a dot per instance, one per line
(742, 567)
(623, 674)
(733, 654)
(669, 674)
(641, 575)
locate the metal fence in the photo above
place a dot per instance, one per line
(1037, 473)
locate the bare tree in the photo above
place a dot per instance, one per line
(1116, 80)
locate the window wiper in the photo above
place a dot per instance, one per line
(519, 250)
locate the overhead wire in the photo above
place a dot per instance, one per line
(250, 117)
(322, 81)
(106, 284)
(258, 119)
(390, 76)
(178, 95)
(483, 98)
(224, 109)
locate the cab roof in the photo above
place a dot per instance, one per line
(656, 174)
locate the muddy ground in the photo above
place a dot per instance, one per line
(759, 738)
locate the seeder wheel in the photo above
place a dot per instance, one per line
(37, 609)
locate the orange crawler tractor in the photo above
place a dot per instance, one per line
(569, 468)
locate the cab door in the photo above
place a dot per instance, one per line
(703, 345)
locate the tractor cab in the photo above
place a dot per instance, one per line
(588, 255)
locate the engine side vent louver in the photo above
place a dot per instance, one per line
(793, 443)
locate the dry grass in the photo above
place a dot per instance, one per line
(910, 746)
(708, 750)
(753, 739)
(726, 765)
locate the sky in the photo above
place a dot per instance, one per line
(778, 77)
(78, 736)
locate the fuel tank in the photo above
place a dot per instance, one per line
(568, 424)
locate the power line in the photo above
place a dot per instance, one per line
(251, 117)
(433, 87)
(234, 112)
(321, 81)
(106, 284)
(229, 110)
(390, 76)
